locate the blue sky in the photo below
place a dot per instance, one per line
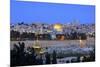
(30, 12)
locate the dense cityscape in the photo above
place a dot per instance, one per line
(41, 43)
(53, 31)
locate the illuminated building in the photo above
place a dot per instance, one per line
(58, 27)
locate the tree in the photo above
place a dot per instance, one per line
(18, 54)
(54, 59)
(14, 34)
(48, 61)
(24, 35)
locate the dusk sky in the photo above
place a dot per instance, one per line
(30, 12)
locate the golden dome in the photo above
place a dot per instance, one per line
(58, 27)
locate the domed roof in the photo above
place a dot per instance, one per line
(58, 27)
